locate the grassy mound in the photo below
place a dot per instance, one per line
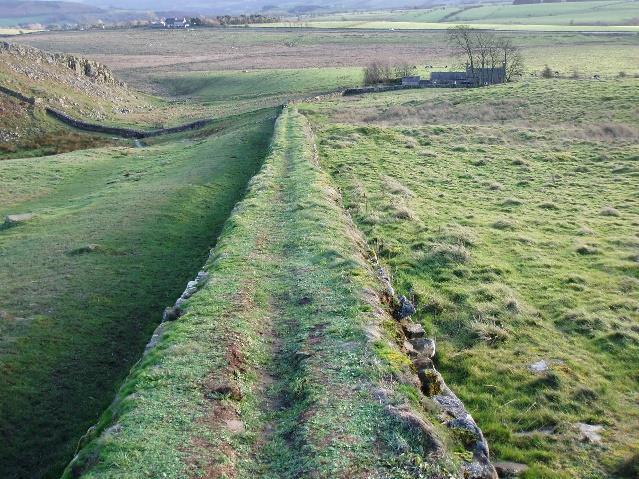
(281, 365)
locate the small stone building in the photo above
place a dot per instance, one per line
(471, 77)
(412, 80)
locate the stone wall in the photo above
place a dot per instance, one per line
(108, 130)
(124, 132)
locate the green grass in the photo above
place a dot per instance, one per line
(612, 12)
(259, 86)
(406, 25)
(588, 15)
(74, 322)
(282, 318)
(509, 214)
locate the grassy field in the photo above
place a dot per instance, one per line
(301, 352)
(510, 216)
(149, 59)
(226, 91)
(585, 16)
(15, 31)
(407, 25)
(117, 233)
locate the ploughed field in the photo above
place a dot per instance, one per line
(510, 215)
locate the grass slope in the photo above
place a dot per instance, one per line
(510, 215)
(73, 319)
(272, 371)
(265, 85)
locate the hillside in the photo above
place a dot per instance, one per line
(46, 14)
(21, 8)
(597, 15)
(34, 81)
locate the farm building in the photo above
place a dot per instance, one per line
(471, 77)
(176, 23)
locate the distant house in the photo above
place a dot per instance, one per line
(176, 23)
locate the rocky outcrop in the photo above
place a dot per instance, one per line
(81, 67)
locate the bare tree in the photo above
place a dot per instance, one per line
(381, 72)
(377, 72)
(404, 69)
(512, 58)
(461, 38)
(484, 52)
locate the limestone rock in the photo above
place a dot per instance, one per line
(539, 367)
(422, 361)
(508, 469)
(404, 309)
(171, 313)
(543, 365)
(413, 330)
(155, 338)
(590, 432)
(410, 349)
(425, 346)
(13, 220)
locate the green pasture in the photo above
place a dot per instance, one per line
(509, 215)
(116, 235)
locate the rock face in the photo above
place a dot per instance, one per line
(82, 67)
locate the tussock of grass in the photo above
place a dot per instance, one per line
(548, 205)
(396, 188)
(586, 249)
(504, 224)
(449, 253)
(609, 211)
(458, 234)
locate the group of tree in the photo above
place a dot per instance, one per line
(482, 49)
(223, 20)
(385, 72)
